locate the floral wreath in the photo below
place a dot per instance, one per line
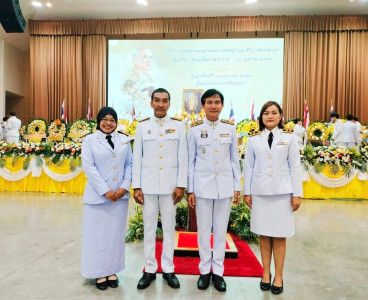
(36, 126)
(57, 129)
(80, 128)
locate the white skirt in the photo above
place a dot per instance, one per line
(103, 245)
(272, 215)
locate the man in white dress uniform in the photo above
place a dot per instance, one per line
(299, 131)
(160, 164)
(338, 134)
(359, 129)
(213, 179)
(350, 132)
(14, 125)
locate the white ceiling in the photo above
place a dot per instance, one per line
(112, 9)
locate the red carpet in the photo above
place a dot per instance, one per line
(246, 265)
(190, 240)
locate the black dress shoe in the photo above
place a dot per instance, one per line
(102, 285)
(146, 280)
(219, 283)
(172, 280)
(277, 289)
(113, 283)
(204, 281)
(265, 286)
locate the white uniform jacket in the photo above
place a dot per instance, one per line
(14, 124)
(338, 134)
(214, 169)
(350, 133)
(359, 129)
(272, 171)
(299, 131)
(160, 156)
(106, 168)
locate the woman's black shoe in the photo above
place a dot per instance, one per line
(113, 283)
(102, 285)
(265, 286)
(277, 289)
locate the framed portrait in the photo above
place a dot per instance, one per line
(192, 100)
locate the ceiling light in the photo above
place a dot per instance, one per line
(37, 3)
(48, 4)
(142, 2)
(250, 1)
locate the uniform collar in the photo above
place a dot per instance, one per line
(210, 123)
(103, 135)
(161, 120)
(275, 131)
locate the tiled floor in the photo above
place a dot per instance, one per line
(41, 243)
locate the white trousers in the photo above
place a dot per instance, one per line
(212, 215)
(152, 205)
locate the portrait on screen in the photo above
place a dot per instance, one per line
(192, 100)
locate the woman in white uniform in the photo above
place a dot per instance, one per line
(272, 190)
(107, 162)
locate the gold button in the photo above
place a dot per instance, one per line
(216, 150)
(215, 140)
(270, 175)
(216, 174)
(114, 167)
(114, 179)
(160, 168)
(114, 155)
(270, 157)
(270, 166)
(160, 156)
(160, 146)
(216, 162)
(161, 134)
(161, 124)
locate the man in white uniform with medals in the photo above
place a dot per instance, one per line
(213, 179)
(160, 164)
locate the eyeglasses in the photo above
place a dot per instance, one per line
(112, 121)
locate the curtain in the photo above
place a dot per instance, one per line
(324, 66)
(56, 76)
(199, 24)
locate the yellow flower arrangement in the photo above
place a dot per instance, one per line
(289, 125)
(36, 126)
(247, 126)
(316, 131)
(57, 130)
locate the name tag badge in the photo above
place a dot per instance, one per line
(225, 135)
(282, 143)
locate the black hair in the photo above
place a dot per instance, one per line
(12, 113)
(349, 117)
(355, 119)
(264, 108)
(106, 111)
(209, 93)
(159, 90)
(335, 115)
(296, 121)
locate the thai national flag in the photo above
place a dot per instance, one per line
(89, 113)
(252, 112)
(306, 115)
(232, 115)
(133, 114)
(63, 113)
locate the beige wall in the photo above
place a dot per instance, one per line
(14, 69)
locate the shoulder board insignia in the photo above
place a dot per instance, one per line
(125, 133)
(287, 130)
(227, 121)
(177, 119)
(197, 123)
(145, 119)
(254, 133)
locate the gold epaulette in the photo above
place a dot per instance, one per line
(145, 119)
(254, 133)
(227, 121)
(196, 123)
(125, 133)
(177, 119)
(287, 130)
